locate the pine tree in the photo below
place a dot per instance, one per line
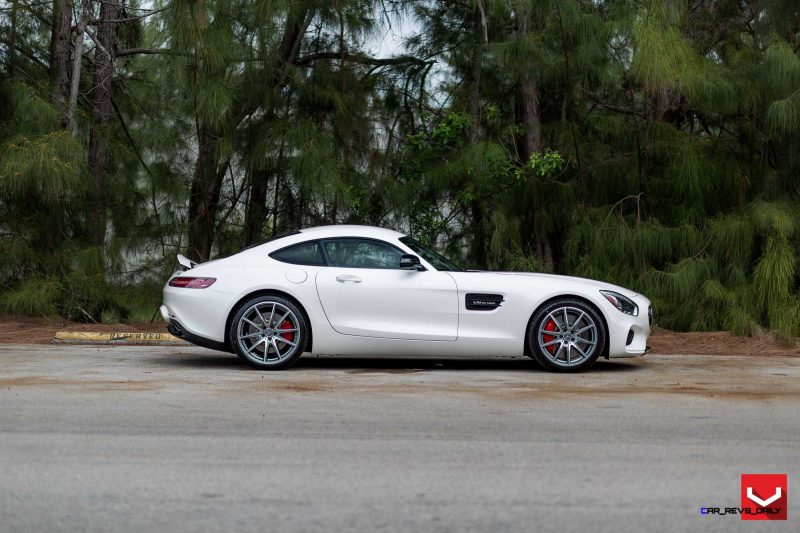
(648, 143)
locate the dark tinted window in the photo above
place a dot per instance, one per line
(361, 253)
(275, 238)
(305, 253)
(439, 262)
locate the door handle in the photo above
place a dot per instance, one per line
(346, 277)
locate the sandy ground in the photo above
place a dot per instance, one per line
(110, 368)
(133, 438)
(40, 330)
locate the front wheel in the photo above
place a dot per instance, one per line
(566, 335)
(269, 332)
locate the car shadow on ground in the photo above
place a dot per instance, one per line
(385, 364)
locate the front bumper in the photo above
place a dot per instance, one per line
(627, 335)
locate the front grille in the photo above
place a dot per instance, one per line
(630, 338)
(650, 315)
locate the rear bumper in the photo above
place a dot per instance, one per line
(199, 312)
(175, 328)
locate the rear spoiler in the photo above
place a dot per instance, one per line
(185, 262)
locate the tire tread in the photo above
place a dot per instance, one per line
(298, 312)
(538, 318)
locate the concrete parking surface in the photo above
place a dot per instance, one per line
(184, 439)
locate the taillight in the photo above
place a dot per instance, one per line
(191, 283)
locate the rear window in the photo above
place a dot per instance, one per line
(305, 253)
(272, 239)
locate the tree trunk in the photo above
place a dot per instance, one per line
(204, 196)
(102, 88)
(529, 110)
(59, 51)
(207, 180)
(529, 102)
(292, 217)
(256, 213)
(667, 105)
(276, 206)
(474, 97)
(12, 45)
(75, 78)
(480, 246)
(529, 96)
(478, 225)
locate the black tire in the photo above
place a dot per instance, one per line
(255, 357)
(550, 357)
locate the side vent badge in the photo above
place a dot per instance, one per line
(483, 302)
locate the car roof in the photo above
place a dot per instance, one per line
(350, 230)
(326, 232)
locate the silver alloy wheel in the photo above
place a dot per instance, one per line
(268, 333)
(567, 336)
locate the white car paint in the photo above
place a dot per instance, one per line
(390, 304)
(386, 311)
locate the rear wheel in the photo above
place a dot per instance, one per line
(269, 332)
(566, 335)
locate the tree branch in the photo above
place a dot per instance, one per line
(615, 108)
(148, 51)
(361, 59)
(27, 53)
(137, 17)
(748, 12)
(96, 42)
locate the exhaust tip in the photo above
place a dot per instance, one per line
(174, 329)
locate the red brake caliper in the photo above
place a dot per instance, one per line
(550, 326)
(289, 335)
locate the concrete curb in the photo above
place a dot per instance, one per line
(136, 337)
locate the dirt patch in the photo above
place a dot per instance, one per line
(717, 343)
(725, 377)
(41, 330)
(385, 371)
(83, 385)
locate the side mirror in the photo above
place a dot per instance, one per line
(410, 262)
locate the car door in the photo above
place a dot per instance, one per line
(364, 292)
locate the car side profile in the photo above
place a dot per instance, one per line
(361, 290)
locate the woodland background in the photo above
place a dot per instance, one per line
(651, 143)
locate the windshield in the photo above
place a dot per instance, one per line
(436, 259)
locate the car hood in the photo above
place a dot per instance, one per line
(556, 279)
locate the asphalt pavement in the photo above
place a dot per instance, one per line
(97, 438)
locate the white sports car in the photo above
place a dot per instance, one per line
(360, 290)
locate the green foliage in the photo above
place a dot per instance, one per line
(47, 166)
(544, 164)
(662, 154)
(742, 271)
(83, 294)
(34, 296)
(774, 275)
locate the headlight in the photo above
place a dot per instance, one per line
(623, 303)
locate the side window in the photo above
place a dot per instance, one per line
(361, 253)
(305, 253)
